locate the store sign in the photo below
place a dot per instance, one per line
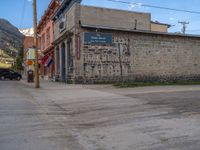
(97, 38)
(29, 62)
(31, 54)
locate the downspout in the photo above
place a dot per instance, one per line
(120, 61)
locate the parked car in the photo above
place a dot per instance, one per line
(9, 74)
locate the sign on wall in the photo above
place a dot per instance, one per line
(97, 38)
(31, 54)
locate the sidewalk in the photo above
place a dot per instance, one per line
(152, 89)
(108, 88)
(45, 84)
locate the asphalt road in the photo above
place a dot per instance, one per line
(60, 117)
(25, 124)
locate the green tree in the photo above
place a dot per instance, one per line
(18, 65)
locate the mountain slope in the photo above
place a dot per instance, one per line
(11, 41)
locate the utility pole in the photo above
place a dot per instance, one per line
(184, 23)
(37, 82)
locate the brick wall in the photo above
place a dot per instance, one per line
(28, 42)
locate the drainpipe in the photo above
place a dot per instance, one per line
(120, 61)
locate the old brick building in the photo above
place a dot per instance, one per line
(46, 32)
(100, 44)
(27, 44)
(28, 51)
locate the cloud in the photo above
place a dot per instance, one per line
(136, 5)
(171, 18)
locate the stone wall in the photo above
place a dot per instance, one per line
(140, 56)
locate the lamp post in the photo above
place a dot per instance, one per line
(37, 82)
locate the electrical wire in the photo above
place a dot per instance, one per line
(23, 14)
(194, 30)
(157, 7)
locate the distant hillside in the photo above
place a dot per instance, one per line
(11, 42)
(27, 31)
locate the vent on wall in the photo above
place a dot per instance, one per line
(62, 24)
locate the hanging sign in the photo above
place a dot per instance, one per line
(29, 62)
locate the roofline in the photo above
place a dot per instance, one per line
(47, 11)
(161, 23)
(138, 31)
(63, 5)
(117, 9)
(65, 1)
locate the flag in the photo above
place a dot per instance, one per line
(49, 62)
(44, 60)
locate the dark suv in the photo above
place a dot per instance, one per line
(9, 74)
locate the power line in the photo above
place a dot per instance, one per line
(184, 23)
(194, 30)
(157, 7)
(23, 13)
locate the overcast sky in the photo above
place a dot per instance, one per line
(12, 10)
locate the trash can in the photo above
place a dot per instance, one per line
(30, 76)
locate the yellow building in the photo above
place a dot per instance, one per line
(159, 27)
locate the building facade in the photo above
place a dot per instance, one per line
(29, 53)
(66, 24)
(46, 32)
(27, 44)
(67, 31)
(95, 44)
(159, 27)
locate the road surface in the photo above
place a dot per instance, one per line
(61, 117)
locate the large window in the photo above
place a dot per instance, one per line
(48, 36)
(43, 42)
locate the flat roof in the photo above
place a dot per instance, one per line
(122, 10)
(138, 31)
(66, 4)
(159, 23)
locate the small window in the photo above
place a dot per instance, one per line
(43, 41)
